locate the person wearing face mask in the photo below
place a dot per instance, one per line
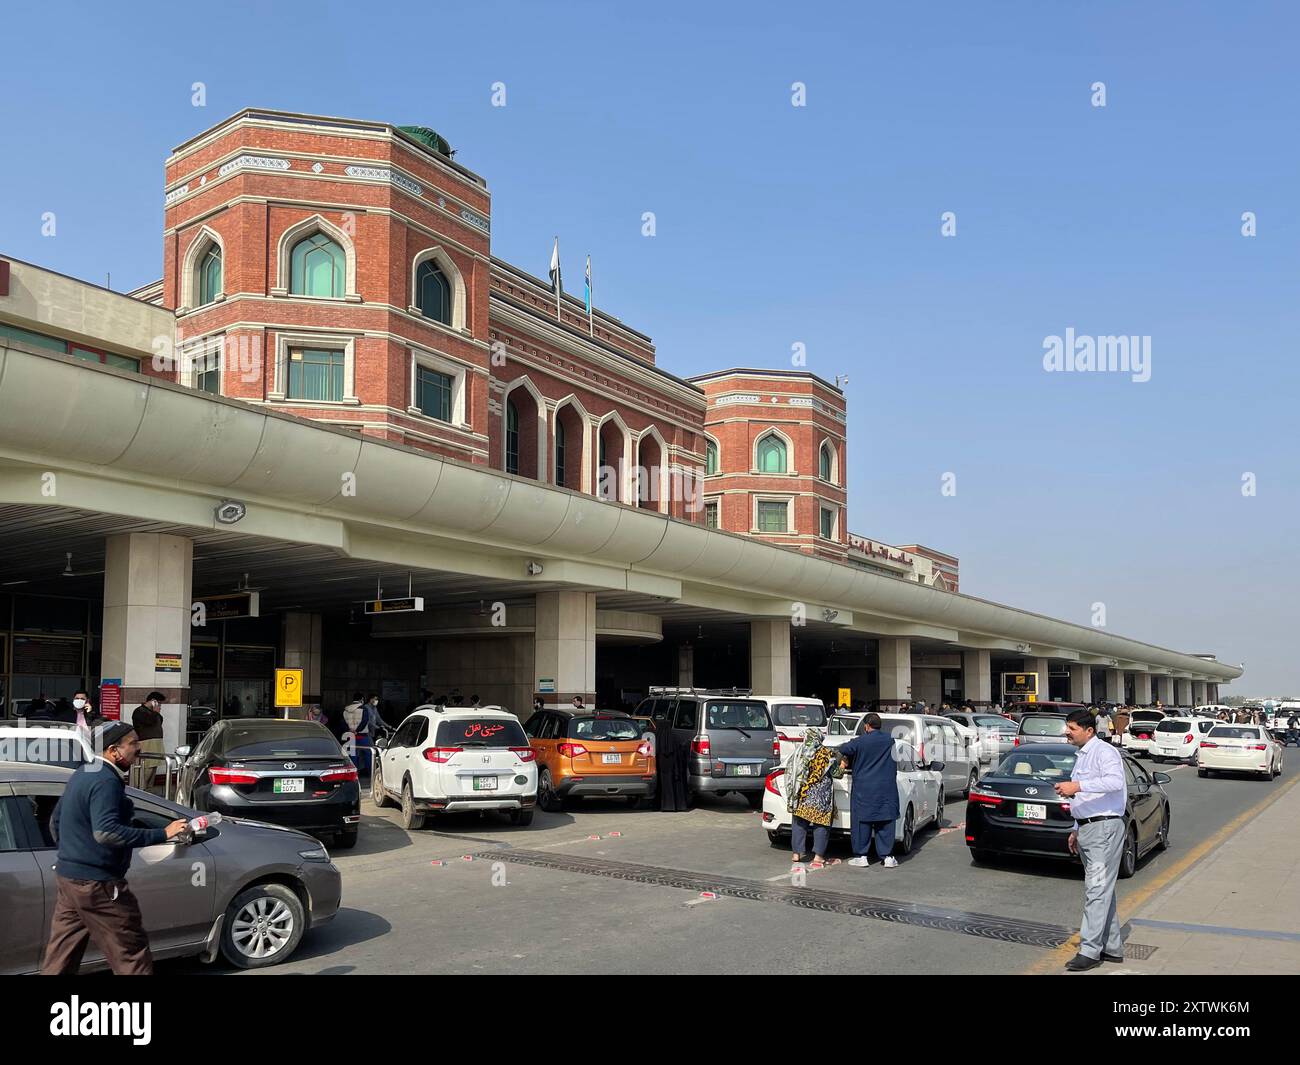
(148, 721)
(87, 717)
(91, 824)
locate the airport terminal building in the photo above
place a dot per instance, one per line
(336, 396)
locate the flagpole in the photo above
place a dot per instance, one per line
(591, 325)
(559, 283)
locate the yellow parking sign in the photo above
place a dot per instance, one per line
(288, 687)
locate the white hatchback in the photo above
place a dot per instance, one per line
(1180, 738)
(454, 759)
(792, 717)
(1240, 749)
(920, 800)
(1140, 734)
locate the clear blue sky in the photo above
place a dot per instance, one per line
(820, 225)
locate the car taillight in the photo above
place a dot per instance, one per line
(441, 755)
(1188, 738)
(643, 750)
(231, 776)
(1207, 743)
(986, 798)
(1017, 743)
(700, 745)
(524, 754)
(1259, 747)
(340, 775)
(783, 738)
(571, 750)
(770, 783)
(776, 747)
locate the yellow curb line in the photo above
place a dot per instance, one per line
(1135, 901)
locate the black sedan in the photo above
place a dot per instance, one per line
(1015, 809)
(290, 773)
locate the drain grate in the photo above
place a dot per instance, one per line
(1138, 951)
(981, 925)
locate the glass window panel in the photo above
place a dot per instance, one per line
(826, 464)
(434, 293)
(316, 267)
(772, 516)
(710, 458)
(828, 524)
(122, 362)
(771, 455)
(711, 515)
(512, 437)
(210, 275)
(316, 374)
(434, 393)
(559, 454)
(26, 336)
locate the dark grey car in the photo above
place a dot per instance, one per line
(247, 890)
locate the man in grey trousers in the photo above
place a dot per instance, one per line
(1098, 794)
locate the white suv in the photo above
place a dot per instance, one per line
(453, 759)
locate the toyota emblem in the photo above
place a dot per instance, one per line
(1031, 791)
(290, 765)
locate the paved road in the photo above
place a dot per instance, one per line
(402, 913)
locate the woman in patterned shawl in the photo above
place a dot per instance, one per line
(810, 795)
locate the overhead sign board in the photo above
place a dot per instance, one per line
(409, 605)
(229, 607)
(1020, 683)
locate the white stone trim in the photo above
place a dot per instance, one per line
(198, 247)
(771, 497)
(200, 349)
(661, 504)
(542, 450)
(301, 230)
(584, 477)
(790, 470)
(455, 370)
(285, 341)
(835, 462)
(455, 280)
(624, 474)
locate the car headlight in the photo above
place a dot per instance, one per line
(316, 854)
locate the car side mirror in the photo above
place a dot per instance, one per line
(183, 751)
(1161, 778)
(381, 744)
(935, 767)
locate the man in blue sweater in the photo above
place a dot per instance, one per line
(92, 825)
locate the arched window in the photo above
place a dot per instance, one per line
(210, 275)
(317, 267)
(559, 454)
(512, 437)
(825, 465)
(771, 454)
(433, 292)
(710, 458)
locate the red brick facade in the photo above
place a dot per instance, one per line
(804, 415)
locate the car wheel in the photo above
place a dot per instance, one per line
(1162, 840)
(546, 797)
(778, 838)
(904, 845)
(263, 926)
(981, 857)
(346, 840)
(755, 799)
(1128, 860)
(412, 819)
(1201, 771)
(522, 818)
(937, 823)
(974, 780)
(377, 794)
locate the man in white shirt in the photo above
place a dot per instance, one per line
(1098, 794)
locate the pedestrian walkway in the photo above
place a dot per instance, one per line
(1236, 910)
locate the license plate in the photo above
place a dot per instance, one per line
(742, 770)
(485, 783)
(289, 785)
(612, 759)
(1031, 811)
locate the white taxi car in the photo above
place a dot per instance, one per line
(1180, 738)
(920, 799)
(454, 759)
(1239, 749)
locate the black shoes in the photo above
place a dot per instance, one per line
(1118, 959)
(1081, 963)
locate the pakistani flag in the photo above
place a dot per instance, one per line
(557, 285)
(587, 298)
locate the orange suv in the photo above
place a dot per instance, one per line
(590, 752)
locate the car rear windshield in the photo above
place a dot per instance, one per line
(306, 742)
(1042, 726)
(1226, 732)
(842, 726)
(1172, 725)
(481, 732)
(60, 750)
(793, 714)
(604, 728)
(899, 729)
(738, 715)
(1027, 763)
(1146, 715)
(999, 723)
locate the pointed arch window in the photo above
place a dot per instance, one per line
(710, 459)
(559, 454)
(826, 465)
(512, 437)
(433, 292)
(317, 267)
(210, 275)
(771, 455)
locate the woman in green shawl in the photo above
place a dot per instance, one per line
(810, 795)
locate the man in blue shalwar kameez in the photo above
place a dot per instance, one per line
(873, 806)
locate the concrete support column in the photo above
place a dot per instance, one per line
(564, 648)
(147, 598)
(686, 665)
(769, 657)
(1080, 683)
(1165, 690)
(977, 678)
(1042, 667)
(301, 635)
(1182, 691)
(1142, 689)
(1212, 693)
(1198, 693)
(1114, 685)
(894, 671)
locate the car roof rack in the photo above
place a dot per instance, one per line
(656, 689)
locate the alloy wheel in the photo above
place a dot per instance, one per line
(262, 927)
